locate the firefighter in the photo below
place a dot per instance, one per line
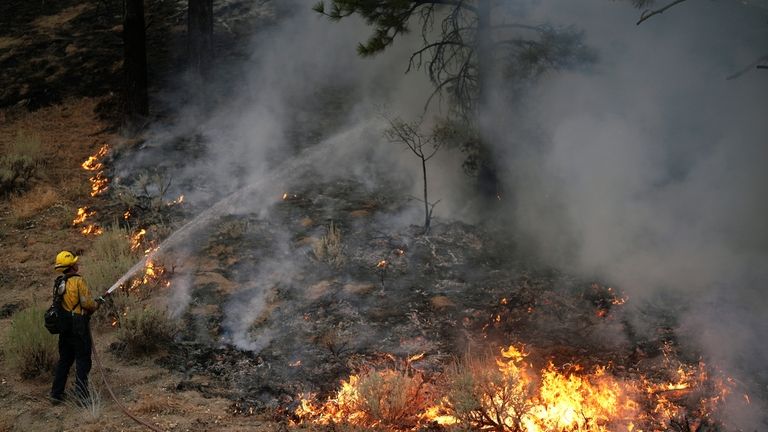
(75, 337)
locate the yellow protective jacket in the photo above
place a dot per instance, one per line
(76, 287)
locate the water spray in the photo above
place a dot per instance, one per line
(284, 172)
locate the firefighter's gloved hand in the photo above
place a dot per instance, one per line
(100, 300)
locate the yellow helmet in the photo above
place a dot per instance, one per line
(64, 260)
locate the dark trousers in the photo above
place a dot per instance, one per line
(73, 348)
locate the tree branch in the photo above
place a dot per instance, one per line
(649, 13)
(754, 64)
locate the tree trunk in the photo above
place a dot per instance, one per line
(487, 178)
(200, 35)
(135, 62)
(427, 216)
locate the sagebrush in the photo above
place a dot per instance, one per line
(109, 258)
(19, 164)
(392, 397)
(484, 398)
(143, 329)
(29, 348)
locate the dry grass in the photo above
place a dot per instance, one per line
(29, 348)
(89, 407)
(330, 247)
(20, 163)
(150, 404)
(40, 198)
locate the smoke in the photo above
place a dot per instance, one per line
(649, 170)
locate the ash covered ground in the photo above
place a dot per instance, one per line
(269, 318)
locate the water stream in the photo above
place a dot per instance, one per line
(259, 191)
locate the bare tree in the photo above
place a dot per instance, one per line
(424, 146)
(465, 43)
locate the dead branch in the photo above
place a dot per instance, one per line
(651, 12)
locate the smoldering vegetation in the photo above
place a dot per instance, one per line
(644, 171)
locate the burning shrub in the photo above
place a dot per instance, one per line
(387, 398)
(29, 348)
(329, 248)
(391, 397)
(19, 164)
(484, 396)
(143, 329)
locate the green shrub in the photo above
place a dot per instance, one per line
(142, 329)
(29, 348)
(20, 163)
(109, 257)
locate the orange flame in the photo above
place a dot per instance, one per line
(93, 163)
(137, 238)
(82, 215)
(566, 398)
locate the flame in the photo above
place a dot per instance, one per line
(90, 229)
(178, 200)
(383, 264)
(93, 162)
(126, 215)
(297, 363)
(82, 215)
(570, 397)
(137, 238)
(99, 184)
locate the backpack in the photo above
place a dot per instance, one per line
(57, 319)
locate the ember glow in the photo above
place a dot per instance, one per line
(514, 396)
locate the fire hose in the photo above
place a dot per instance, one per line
(112, 394)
